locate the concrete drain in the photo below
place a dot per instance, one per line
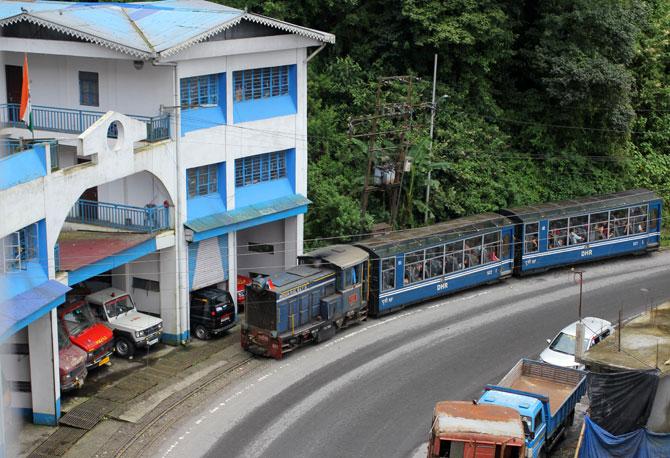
(59, 442)
(130, 388)
(88, 414)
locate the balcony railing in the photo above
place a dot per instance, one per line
(9, 146)
(148, 219)
(77, 121)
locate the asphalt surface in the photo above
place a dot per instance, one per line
(370, 391)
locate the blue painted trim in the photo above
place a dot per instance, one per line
(175, 339)
(23, 167)
(192, 259)
(110, 262)
(36, 315)
(223, 250)
(291, 172)
(259, 192)
(197, 236)
(47, 418)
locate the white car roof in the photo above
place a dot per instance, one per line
(106, 294)
(592, 326)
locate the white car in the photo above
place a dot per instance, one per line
(561, 350)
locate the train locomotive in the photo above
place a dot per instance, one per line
(335, 286)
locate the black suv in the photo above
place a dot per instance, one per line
(212, 312)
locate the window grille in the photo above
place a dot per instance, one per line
(262, 167)
(20, 247)
(261, 83)
(199, 91)
(202, 180)
(88, 89)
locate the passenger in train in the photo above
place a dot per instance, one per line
(575, 238)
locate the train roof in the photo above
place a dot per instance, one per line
(532, 213)
(297, 276)
(424, 237)
(341, 256)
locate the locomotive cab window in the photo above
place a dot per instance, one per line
(531, 237)
(351, 276)
(388, 273)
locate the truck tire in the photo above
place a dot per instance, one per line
(124, 347)
(202, 333)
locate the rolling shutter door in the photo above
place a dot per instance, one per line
(208, 262)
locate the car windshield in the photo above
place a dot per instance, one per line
(78, 320)
(565, 343)
(63, 341)
(222, 299)
(117, 306)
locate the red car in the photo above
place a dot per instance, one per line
(83, 330)
(242, 283)
(71, 363)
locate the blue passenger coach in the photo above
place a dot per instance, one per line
(582, 230)
(418, 264)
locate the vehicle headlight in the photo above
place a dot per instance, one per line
(139, 334)
(67, 376)
(160, 325)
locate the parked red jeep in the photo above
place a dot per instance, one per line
(86, 332)
(71, 363)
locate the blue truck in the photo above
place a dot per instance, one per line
(544, 395)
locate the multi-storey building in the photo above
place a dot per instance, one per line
(168, 153)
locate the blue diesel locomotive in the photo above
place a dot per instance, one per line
(338, 285)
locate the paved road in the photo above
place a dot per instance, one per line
(371, 390)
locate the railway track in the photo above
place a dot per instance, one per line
(197, 389)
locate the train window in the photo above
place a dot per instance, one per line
(558, 233)
(638, 219)
(388, 273)
(352, 276)
(414, 266)
(472, 252)
(532, 237)
(492, 247)
(505, 246)
(453, 260)
(434, 261)
(579, 230)
(599, 228)
(619, 223)
(653, 221)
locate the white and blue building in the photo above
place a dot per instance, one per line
(169, 154)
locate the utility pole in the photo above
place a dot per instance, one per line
(579, 331)
(430, 148)
(579, 273)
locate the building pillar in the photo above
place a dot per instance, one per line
(232, 265)
(291, 241)
(44, 380)
(121, 277)
(175, 331)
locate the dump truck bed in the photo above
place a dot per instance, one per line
(557, 392)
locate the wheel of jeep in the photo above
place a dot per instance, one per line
(124, 347)
(201, 333)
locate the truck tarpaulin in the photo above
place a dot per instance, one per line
(641, 443)
(621, 402)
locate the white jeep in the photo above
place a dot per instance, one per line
(132, 329)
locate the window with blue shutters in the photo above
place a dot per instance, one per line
(88, 89)
(261, 83)
(202, 180)
(262, 167)
(198, 91)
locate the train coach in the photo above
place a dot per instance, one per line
(414, 265)
(307, 303)
(581, 230)
(341, 284)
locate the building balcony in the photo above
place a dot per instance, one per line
(71, 121)
(147, 219)
(10, 146)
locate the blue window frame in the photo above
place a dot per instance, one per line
(199, 91)
(88, 89)
(262, 167)
(202, 180)
(261, 83)
(20, 247)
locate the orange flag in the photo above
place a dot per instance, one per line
(26, 111)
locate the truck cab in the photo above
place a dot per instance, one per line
(71, 363)
(132, 329)
(462, 429)
(530, 411)
(78, 325)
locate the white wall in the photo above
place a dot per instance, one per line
(148, 268)
(137, 190)
(16, 367)
(54, 82)
(270, 233)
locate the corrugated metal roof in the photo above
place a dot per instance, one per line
(427, 236)
(532, 213)
(145, 30)
(247, 213)
(21, 310)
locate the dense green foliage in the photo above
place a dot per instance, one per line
(546, 100)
